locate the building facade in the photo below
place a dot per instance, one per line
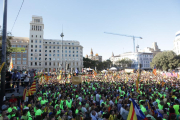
(20, 59)
(154, 49)
(49, 54)
(96, 57)
(177, 43)
(137, 58)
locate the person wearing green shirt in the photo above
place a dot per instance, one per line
(39, 111)
(69, 103)
(176, 107)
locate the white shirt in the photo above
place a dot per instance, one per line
(27, 78)
(80, 99)
(84, 109)
(97, 97)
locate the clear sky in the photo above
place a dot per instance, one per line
(87, 20)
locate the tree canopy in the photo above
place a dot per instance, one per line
(165, 60)
(125, 62)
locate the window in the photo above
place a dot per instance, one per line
(25, 55)
(69, 51)
(50, 47)
(18, 62)
(65, 47)
(73, 55)
(18, 58)
(49, 54)
(76, 51)
(35, 50)
(35, 46)
(45, 54)
(31, 58)
(50, 59)
(24, 58)
(49, 42)
(58, 44)
(69, 55)
(13, 55)
(65, 51)
(49, 50)
(54, 43)
(36, 28)
(45, 46)
(19, 55)
(31, 46)
(39, 46)
(58, 47)
(40, 35)
(39, 58)
(65, 55)
(39, 63)
(35, 63)
(19, 46)
(13, 58)
(58, 55)
(57, 51)
(24, 62)
(35, 58)
(53, 54)
(76, 55)
(69, 43)
(54, 47)
(31, 41)
(45, 50)
(45, 58)
(53, 58)
(35, 41)
(73, 51)
(76, 47)
(72, 43)
(39, 50)
(54, 51)
(31, 50)
(49, 63)
(39, 54)
(31, 35)
(45, 63)
(73, 47)
(69, 47)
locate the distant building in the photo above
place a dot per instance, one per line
(96, 57)
(142, 58)
(154, 49)
(20, 59)
(177, 43)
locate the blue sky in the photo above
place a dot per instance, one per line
(87, 20)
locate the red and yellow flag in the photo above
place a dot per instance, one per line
(24, 94)
(154, 70)
(32, 89)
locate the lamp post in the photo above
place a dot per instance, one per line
(62, 35)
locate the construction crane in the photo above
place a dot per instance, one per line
(132, 36)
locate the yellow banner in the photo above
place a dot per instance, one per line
(18, 49)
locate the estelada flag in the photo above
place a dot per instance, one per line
(154, 70)
(24, 94)
(32, 89)
(135, 112)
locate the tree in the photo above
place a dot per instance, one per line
(124, 63)
(165, 60)
(8, 46)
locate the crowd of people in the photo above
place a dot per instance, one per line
(100, 97)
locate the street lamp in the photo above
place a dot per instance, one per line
(62, 35)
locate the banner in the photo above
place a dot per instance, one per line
(18, 49)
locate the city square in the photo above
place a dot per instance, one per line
(89, 60)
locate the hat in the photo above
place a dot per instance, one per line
(26, 108)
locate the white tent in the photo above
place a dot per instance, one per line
(104, 71)
(113, 68)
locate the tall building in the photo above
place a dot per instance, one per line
(20, 59)
(177, 43)
(96, 57)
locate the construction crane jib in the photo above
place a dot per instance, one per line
(132, 36)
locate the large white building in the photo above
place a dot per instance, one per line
(177, 43)
(50, 54)
(142, 58)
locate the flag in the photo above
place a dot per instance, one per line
(32, 89)
(11, 64)
(163, 82)
(135, 112)
(177, 76)
(24, 94)
(76, 71)
(154, 70)
(94, 73)
(137, 82)
(150, 108)
(69, 76)
(159, 114)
